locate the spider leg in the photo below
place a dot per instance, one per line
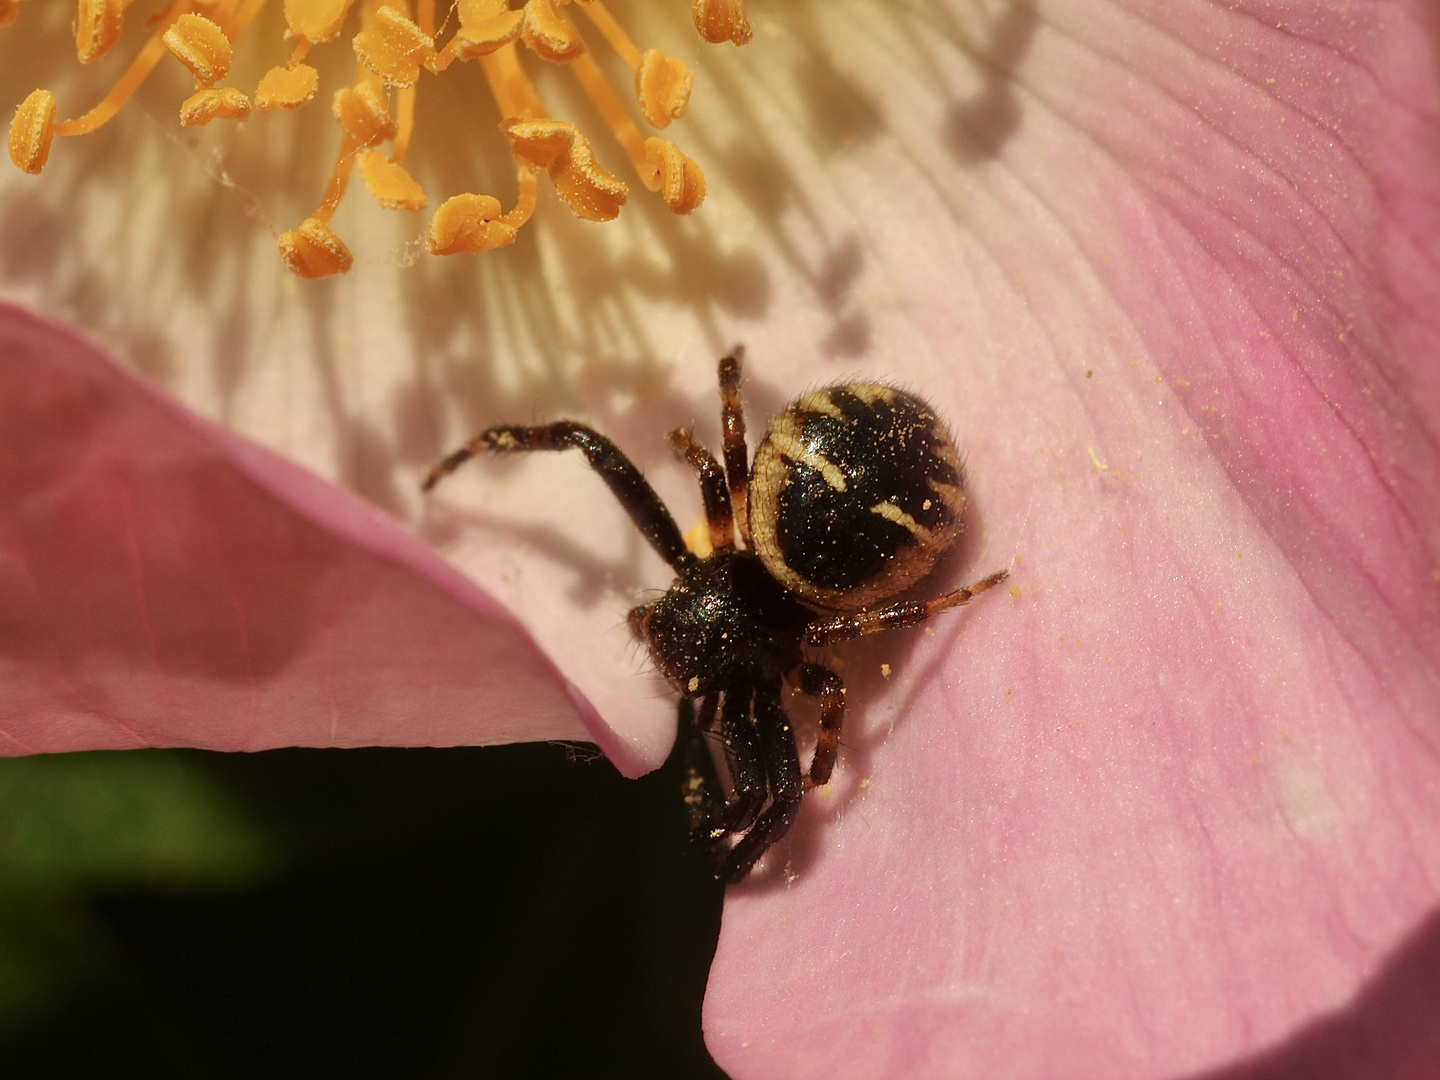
(712, 488)
(620, 475)
(893, 616)
(705, 719)
(699, 786)
(822, 683)
(782, 764)
(743, 749)
(732, 424)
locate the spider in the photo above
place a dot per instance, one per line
(855, 491)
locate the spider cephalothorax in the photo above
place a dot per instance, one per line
(856, 490)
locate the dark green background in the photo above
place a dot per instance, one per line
(507, 911)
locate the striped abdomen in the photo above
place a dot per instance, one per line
(856, 490)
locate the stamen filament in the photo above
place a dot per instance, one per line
(237, 25)
(339, 179)
(612, 111)
(135, 75)
(404, 120)
(525, 201)
(510, 86)
(405, 100)
(599, 15)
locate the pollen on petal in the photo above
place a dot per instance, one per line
(468, 223)
(388, 181)
(315, 20)
(362, 112)
(31, 131)
(588, 189)
(662, 86)
(721, 20)
(313, 251)
(201, 46)
(549, 33)
(680, 182)
(393, 47)
(286, 88)
(210, 103)
(97, 26)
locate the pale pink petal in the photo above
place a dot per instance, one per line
(164, 583)
(1174, 799)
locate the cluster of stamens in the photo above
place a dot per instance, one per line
(396, 40)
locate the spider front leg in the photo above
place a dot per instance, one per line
(893, 616)
(718, 515)
(700, 782)
(782, 767)
(631, 488)
(732, 425)
(743, 750)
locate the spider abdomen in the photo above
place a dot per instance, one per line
(856, 490)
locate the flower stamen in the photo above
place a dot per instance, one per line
(662, 85)
(135, 75)
(202, 47)
(97, 27)
(396, 41)
(721, 20)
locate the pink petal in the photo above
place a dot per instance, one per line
(164, 583)
(1173, 800)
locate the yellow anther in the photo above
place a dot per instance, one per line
(313, 251)
(660, 164)
(678, 179)
(393, 47)
(391, 185)
(208, 104)
(537, 142)
(201, 46)
(721, 20)
(97, 27)
(468, 223)
(485, 25)
(286, 88)
(363, 114)
(475, 13)
(31, 131)
(663, 87)
(315, 20)
(549, 33)
(589, 191)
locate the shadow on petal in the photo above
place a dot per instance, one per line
(1391, 1029)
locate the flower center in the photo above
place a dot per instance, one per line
(394, 42)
